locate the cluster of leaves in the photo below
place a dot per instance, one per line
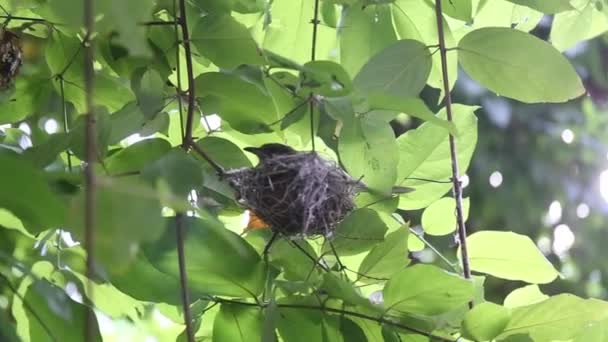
(252, 66)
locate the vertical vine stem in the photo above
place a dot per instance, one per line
(457, 186)
(313, 57)
(90, 158)
(187, 141)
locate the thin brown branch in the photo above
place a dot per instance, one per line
(183, 275)
(457, 186)
(90, 158)
(186, 143)
(379, 320)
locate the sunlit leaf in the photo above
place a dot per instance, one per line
(509, 255)
(485, 321)
(515, 64)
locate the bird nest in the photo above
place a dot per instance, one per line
(298, 195)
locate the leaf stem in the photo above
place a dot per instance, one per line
(313, 55)
(457, 186)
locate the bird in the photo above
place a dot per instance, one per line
(273, 150)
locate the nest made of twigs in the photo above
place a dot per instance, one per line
(298, 195)
(10, 57)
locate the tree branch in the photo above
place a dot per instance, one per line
(379, 320)
(457, 186)
(313, 55)
(90, 158)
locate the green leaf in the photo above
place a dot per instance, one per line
(572, 27)
(485, 321)
(411, 106)
(254, 110)
(368, 150)
(160, 287)
(386, 258)
(509, 255)
(365, 32)
(400, 70)
(237, 323)
(30, 94)
(518, 65)
(359, 231)
(425, 154)
(295, 264)
(64, 57)
(440, 217)
(546, 6)
(325, 78)
(218, 36)
(46, 309)
(426, 290)
(529, 294)
(561, 318)
(124, 208)
(305, 325)
(181, 172)
(336, 287)
(457, 9)
(217, 260)
(44, 154)
(149, 91)
(289, 31)
(26, 194)
(137, 156)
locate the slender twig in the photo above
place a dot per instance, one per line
(66, 119)
(186, 143)
(457, 186)
(183, 275)
(219, 169)
(158, 23)
(435, 250)
(28, 307)
(90, 158)
(379, 320)
(189, 71)
(313, 56)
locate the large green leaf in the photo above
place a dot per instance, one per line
(217, 260)
(546, 6)
(386, 258)
(485, 321)
(26, 194)
(137, 156)
(457, 9)
(45, 309)
(571, 27)
(325, 78)
(359, 231)
(368, 150)
(219, 36)
(253, 111)
(509, 255)
(440, 217)
(558, 318)
(529, 294)
(415, 19)
(178, 169)
(425, 155)
(400, 70)
(411, 106)
(518, 65)
(125, 208)
(426, 290)
(237, 323)
(289, 32)
(365, 32)
(299, 324)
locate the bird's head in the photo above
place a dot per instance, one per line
(271, 150)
